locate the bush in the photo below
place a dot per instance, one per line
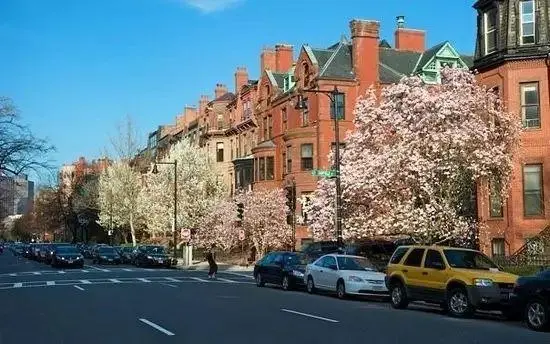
(523, 270)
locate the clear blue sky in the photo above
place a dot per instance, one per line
(77, 67)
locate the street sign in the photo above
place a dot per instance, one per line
(324, 173)
(185, 234)
(241, 235)
(110, 232)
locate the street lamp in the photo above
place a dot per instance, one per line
(301, 105)
(155, 171)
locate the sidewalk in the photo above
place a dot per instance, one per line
(201, 265)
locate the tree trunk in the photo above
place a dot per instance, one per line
(132, 230)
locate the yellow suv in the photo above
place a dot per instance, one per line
(460, 280)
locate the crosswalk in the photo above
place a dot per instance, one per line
(90, 269)
(120, 280)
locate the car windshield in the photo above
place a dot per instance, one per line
(354, 263)
(155, 249)
(466, 259)
(67, 250)
(296, 259)
(106, 250)
(127, 249)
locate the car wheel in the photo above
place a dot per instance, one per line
(398, 295)
(536, 315)
(286, 282)
(459, 304)
(341, 289)
(310, 285)
(259, 281)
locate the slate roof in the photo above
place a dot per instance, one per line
(225, 97)
(279, 79)
(428, 54)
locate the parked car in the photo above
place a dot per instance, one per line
(378, 252)
(316, 249)
(50, 250)
(345, 275)
(67, 255)
(27, 251)
(531, 300)
(152, 255)
(127, 254)
(106, 254)
(460, 280)
(281, 268)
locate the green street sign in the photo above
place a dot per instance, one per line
(324, 173)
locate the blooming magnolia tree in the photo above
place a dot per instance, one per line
(217, 228)
(411, 165)
(264, 220)
(119, 196)
(198, 189)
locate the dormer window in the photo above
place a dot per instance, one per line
(527, 17)
(490, 31)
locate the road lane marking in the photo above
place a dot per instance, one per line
(61, 272)
(169, 285)
(144, 280)
(199, 279)
(309, 315)
(237, 274)
(79, 288)
(83, 270)
(114, 280)
(37, 273)
(156, 327)
(225, 280)
(85, 282)
(129, 270)
(18, 285)
(13, 275)
(50, 283)
(171, 279)
(98, 269)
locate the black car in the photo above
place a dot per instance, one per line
(317, 249)
(107, 255)
(378, 252)
(67, 255)
(531, 300)
(50, 250)
(127, 254)
(150, 255)
(282, 268)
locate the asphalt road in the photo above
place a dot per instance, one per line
(119, 304)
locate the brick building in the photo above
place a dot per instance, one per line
(512, 56)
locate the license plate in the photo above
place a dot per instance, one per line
(70, 260)
(110, 260)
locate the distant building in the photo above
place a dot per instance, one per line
(16, 195)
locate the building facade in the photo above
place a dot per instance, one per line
(512, 57)
(16, 195)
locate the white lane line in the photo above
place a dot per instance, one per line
(61, 272)
(156, 327)
(225, 280)
(144, 280)
(79, 288)
(129, 270)
(98, 269)
(50, 283)
(85, 282)
(171, 279)
(37, 273)
(13, 275)
(237, 274)
(17, 285)
(169, 285)
(309, 315)
(198, 279)
(114, 280)
(83, 270)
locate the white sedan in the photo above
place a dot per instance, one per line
(345, 275)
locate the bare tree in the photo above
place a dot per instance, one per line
(127, 143)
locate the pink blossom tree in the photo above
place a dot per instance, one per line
(411, 166)
(264, 220)
(218, 227)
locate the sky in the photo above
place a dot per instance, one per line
(76, 68)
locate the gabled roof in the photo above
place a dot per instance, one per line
(335, 61)
(428, 55)
(224, 98)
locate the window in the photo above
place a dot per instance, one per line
(307, 156)
(269, 167)
(288, 159)
(415, 257)
(495, 201)
(232, 148)
(265, 129)
(532, 190)
(497, 247)
(329, 261)
(530, 113)
(284, 116)
(269, 127)
(305, 113)
(306, 74)
(398, 255)
(490, 31)
(527, 18)
(340, 101)
(219, 152)
(433, 260)
(261, 163)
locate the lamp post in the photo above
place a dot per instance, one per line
(155, 171)
(301, 105)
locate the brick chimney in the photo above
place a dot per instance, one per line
(202, 104)
(283, 57)
(267, 60)
(220, 90)
(409, 39)
(241, 78)
(365, 35)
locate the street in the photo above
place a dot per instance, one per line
(116, 304)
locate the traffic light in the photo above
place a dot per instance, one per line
(240, 211)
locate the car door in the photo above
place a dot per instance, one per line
(412, 271)
(323, 274)
(331, 273)
(434, 276)
(263, 266)
(316, 270)
(276, 269)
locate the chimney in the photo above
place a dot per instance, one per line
(283, 57)
(267, 60)
(409, 39)
(202, 104)
(220, 90)
(365, 35)
(241, 78)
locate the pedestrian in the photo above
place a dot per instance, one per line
(213, 267)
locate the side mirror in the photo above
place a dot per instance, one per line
(333, 267)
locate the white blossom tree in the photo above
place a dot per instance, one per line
(412, 163)
(264, 220)
(120, 197)
(218, 227)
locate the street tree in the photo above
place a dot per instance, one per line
(126, 142)
(119, 196)
(264, 220)
(412, 163)
(49, 213)
(218, 227)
